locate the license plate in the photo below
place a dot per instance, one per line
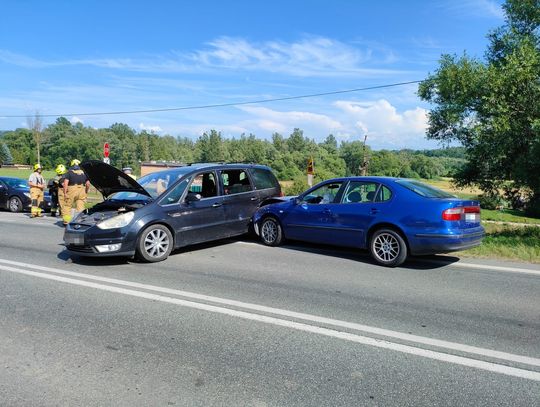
(472, 217)
(74, 239)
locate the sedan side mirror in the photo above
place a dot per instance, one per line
(193, 197)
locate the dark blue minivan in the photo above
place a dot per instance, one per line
(168, 209)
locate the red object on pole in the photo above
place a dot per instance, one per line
(106, 150)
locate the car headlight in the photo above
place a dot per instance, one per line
(27, 194)
(117, 221)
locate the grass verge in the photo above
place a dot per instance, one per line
(508, 242)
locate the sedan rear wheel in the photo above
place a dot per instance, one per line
(388, 248)
(270, 232)
(15, 204)
(155, 243)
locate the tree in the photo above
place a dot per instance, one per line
(491, 107)
(35, 124)
(5, 154)
(211, 147)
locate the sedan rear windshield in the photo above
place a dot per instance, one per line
(423, 189)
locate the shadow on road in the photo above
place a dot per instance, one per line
(68, 257)
(362, 256)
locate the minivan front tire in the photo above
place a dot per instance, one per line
(155, 243)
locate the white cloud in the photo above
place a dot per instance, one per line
(273, 120)
(152, 129)
(75, 119)
(385, 126)
(476, 8)
(310, 56)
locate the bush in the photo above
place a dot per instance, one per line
(490, 201)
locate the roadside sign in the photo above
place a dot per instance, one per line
(106, 150)
(310, 167)
(106, 160)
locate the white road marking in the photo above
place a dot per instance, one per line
(496, 268)
(489, 366)
(450, 264)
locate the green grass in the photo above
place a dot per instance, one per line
(13, 172)
(508, 242)
(508, 215)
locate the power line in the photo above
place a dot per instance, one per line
(252, 102)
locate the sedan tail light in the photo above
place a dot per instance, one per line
(472, 213)
(452, 214)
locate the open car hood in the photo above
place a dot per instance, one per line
(108, 179)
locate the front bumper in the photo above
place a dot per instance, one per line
(83, 240)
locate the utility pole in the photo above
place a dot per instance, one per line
(35, 124)
(365, 160)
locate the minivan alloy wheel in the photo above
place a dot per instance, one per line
(156, 243)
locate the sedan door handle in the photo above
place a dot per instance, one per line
(327, 211)
(374, 211)
(216, 205)
(254, 198)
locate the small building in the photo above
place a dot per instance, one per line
(152, 166)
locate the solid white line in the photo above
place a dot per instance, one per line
(496, 268)
(292, 314)
(443, 357)
(455, 264)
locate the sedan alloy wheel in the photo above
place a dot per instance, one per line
(388, 248)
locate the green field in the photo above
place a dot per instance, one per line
(508, 242)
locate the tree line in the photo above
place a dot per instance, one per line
(62, 141)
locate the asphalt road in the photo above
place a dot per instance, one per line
(236, 323)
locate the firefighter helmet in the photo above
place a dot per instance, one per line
(60, 169)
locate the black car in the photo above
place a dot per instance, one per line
(168, 209)
(15, 195)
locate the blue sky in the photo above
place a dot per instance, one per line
(72, 57)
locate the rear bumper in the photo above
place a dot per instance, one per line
(433, 243)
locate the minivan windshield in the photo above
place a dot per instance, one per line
(154, 183)
(423, 189)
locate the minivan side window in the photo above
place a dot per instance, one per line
(204, 184)
(175, 194)
(235, 182)
(264, 179)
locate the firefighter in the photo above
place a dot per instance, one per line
(54, 186)
(75, 187)
(37, 185)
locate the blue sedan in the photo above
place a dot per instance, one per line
(392, 217)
